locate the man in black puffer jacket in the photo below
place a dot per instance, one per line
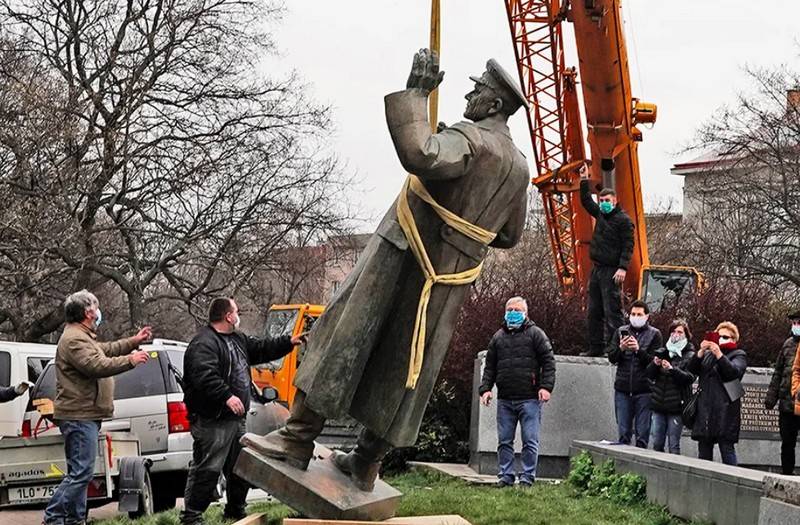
(780, 391)
(632, 348)
(216, 386)
(520, 362)
(610, 251)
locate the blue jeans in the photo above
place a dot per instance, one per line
(633, 413)
(727, 452)
(528, 413)
(68, 503)
(665, 426)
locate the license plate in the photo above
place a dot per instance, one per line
(30, 494)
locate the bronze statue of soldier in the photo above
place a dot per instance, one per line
(376, 352)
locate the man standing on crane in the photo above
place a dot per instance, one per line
(610, 251)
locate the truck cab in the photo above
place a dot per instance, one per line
(287, 319)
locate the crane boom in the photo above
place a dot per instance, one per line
(557, 130)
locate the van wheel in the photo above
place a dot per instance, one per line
(145, 500)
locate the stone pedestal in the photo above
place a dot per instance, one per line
(321, 492)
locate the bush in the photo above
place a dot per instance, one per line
(602, 480)
(603, 477)
(581, 471)
(627, 488)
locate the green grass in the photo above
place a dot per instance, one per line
(428, 493)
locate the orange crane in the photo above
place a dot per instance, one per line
(612, 116)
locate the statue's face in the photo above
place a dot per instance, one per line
(482, 102)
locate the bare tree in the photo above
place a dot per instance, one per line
(748, 221)
(142, 151)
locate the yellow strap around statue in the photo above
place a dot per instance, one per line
(409, 226)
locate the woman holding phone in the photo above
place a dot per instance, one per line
(669, 381)
(720, 364)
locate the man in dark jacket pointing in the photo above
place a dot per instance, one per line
(610, 251)
(520, 362)
(216, 386)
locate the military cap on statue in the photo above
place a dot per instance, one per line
(498, 79)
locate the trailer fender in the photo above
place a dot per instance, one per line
(131, 484)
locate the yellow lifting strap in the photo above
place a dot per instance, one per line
(409, 226)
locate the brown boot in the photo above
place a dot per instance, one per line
(363, 463)
(293, 442)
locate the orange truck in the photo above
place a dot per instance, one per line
(285, 319)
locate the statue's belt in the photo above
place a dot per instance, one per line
(409, 226)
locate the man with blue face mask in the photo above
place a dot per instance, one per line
(779, 392)
(520, 362)
(610, 251)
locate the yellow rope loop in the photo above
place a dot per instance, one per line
(409, 226)
(476, 233)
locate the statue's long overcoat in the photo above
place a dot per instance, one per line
(357, 357)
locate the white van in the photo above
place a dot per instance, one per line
(20, 362)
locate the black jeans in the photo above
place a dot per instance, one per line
(605, 308)
(789, 425)
(216, 449)
(727, 451)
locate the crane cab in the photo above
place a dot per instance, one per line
(663, 285)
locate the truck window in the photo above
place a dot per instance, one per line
(5, 369)
(279, 322)
(45, 387)
(35, 367)
(142, 381)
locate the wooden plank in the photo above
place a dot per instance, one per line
(450, 519)
(253, 519)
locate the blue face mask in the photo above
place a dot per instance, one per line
(606, 207)
(796, 330)
(514, 319)
(99, 318)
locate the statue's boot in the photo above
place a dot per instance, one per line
(363, 463)
(294, 441)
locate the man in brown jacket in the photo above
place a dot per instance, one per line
(377, 350)
(84, 397)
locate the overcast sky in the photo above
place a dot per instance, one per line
(685, 55)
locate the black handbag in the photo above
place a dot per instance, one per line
(689, 413)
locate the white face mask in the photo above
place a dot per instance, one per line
(237, 322)
(638, 321)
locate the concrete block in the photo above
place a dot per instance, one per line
(690, 488)
(676, 486)
(722, 501)
(697, 497)
(747, 504)
(774, 512)
(783, 488)
(322, 491)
